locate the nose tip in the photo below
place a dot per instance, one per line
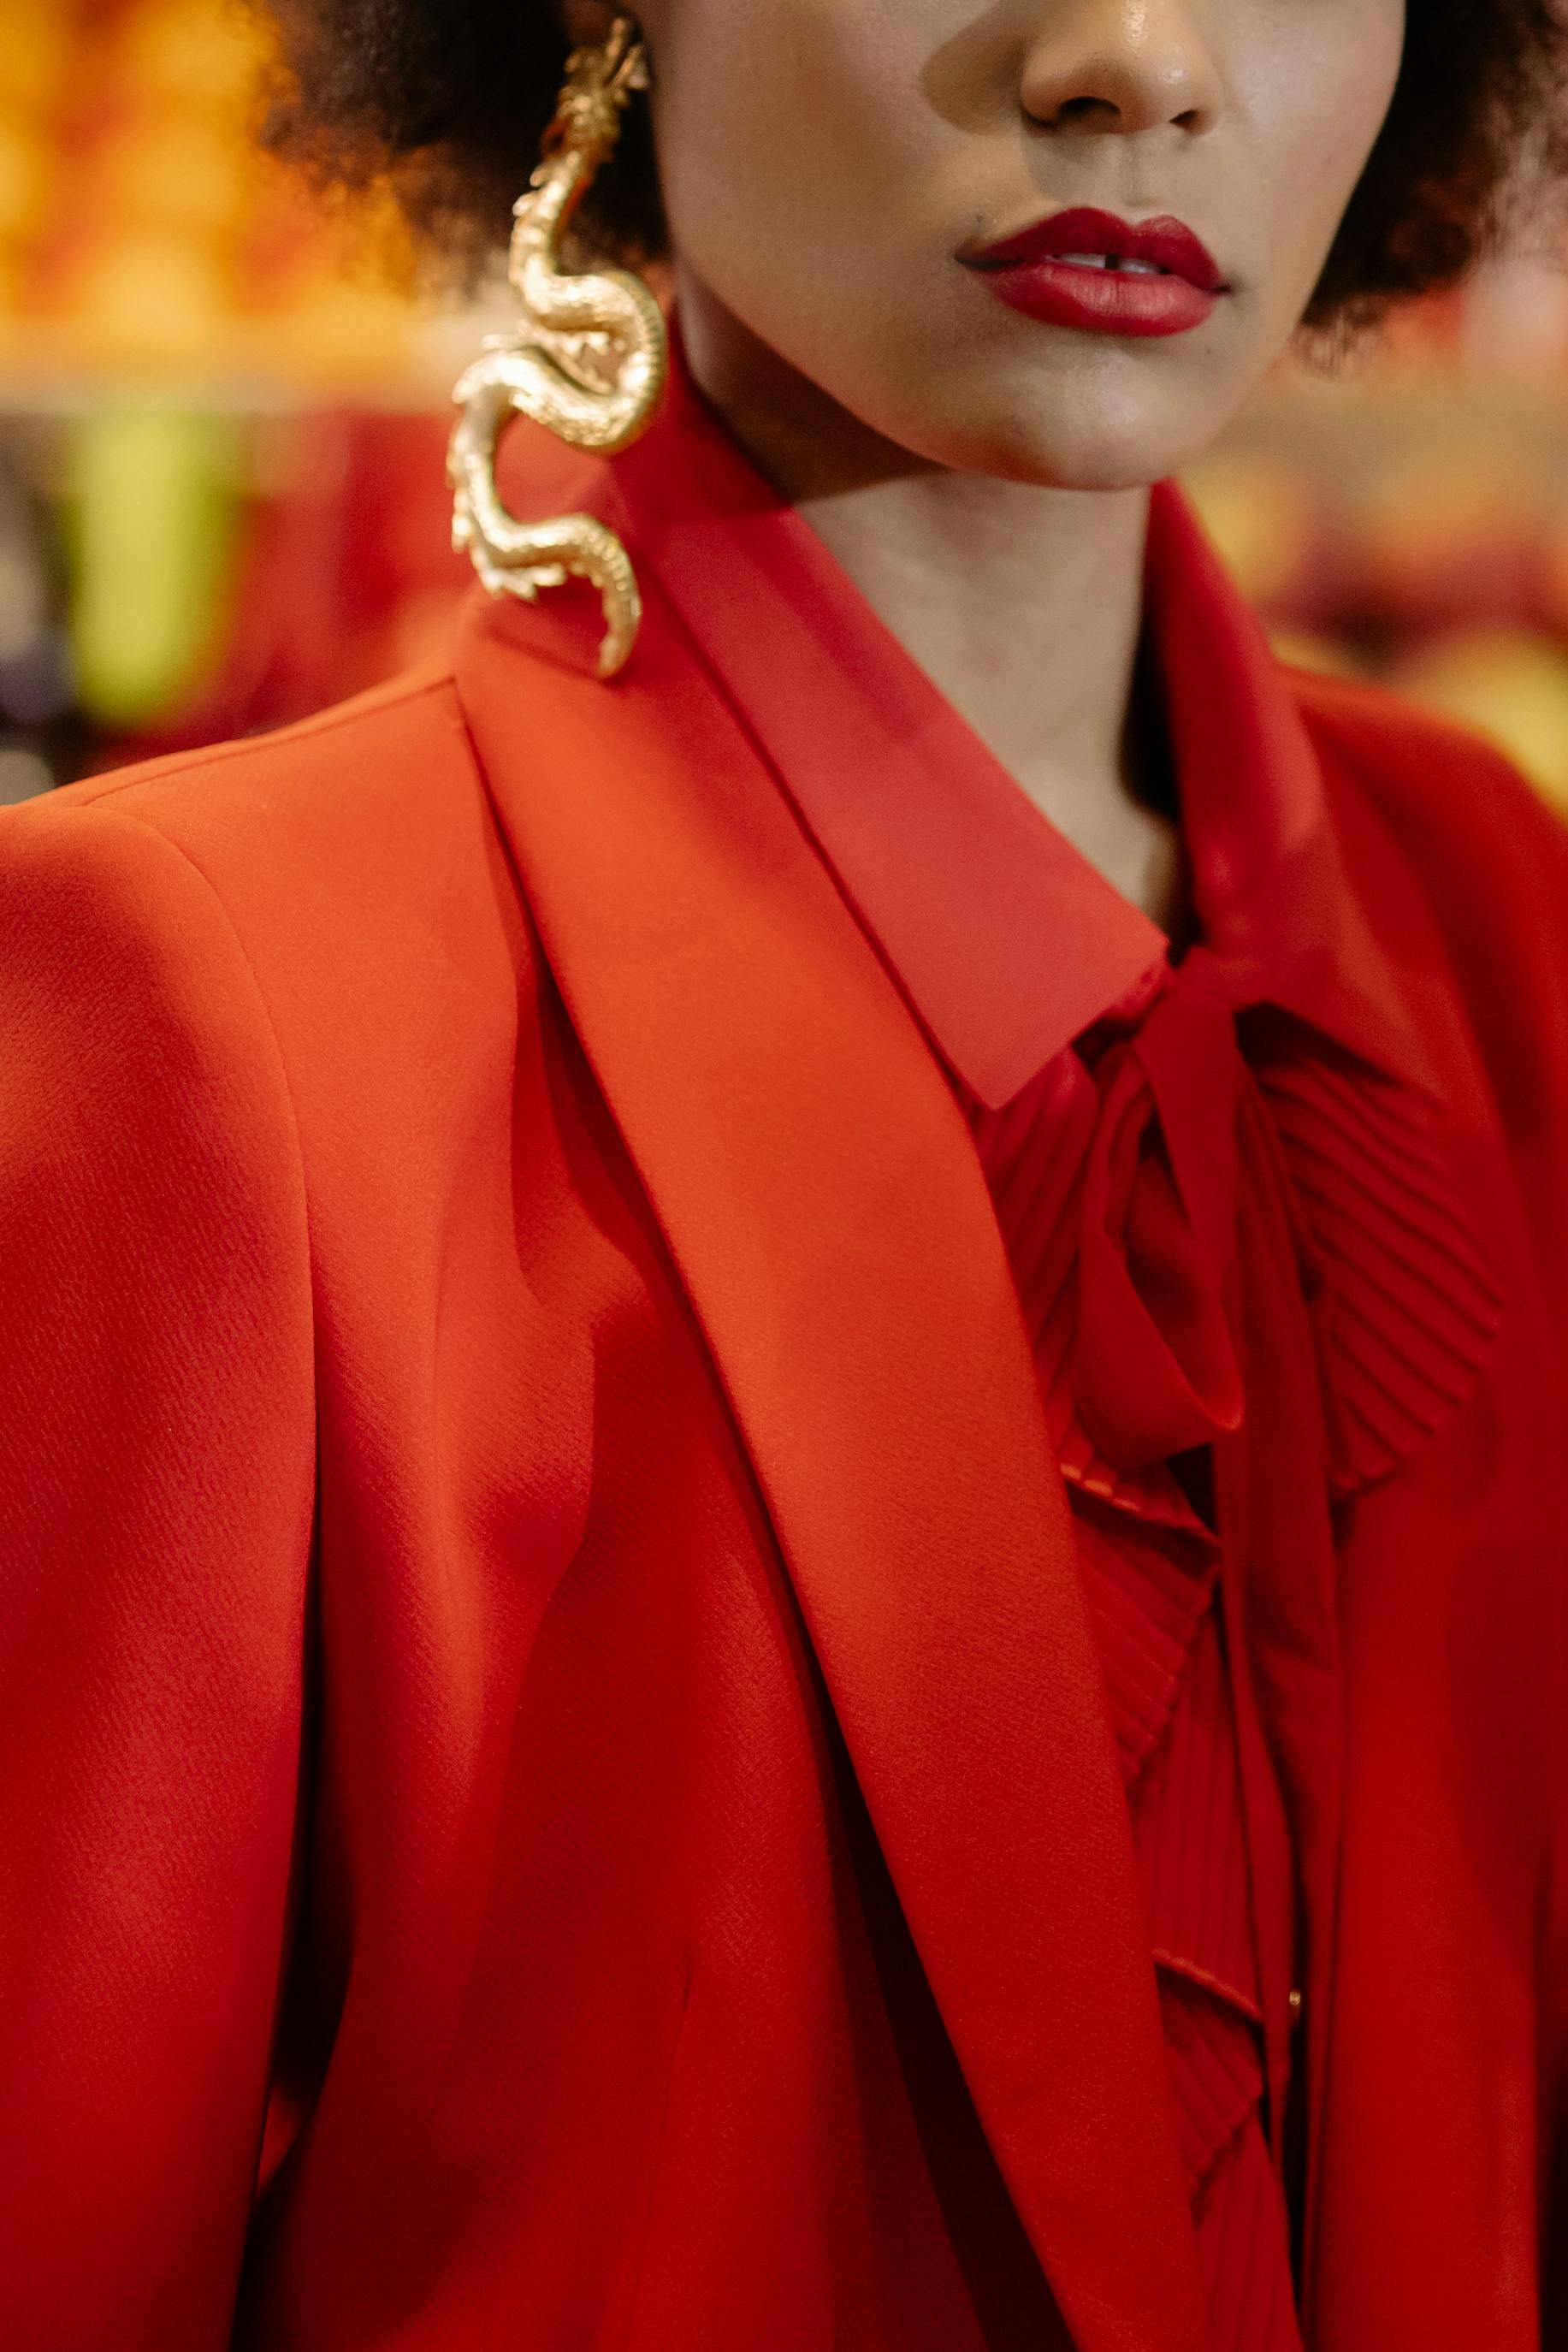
(1125, 66)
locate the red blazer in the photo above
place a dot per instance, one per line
(558, 1787)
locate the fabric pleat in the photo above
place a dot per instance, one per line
(1243, 2247)
(1147, 1598)
(1409, 1306)
(1121, 1177)
(1194, 1848)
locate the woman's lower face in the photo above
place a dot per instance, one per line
(832, 168)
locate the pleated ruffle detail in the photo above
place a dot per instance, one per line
(1404, 1297)
(1035, 1152)
(1406, 1304)
(1402, 1307)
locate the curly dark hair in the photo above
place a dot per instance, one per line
(445, 99)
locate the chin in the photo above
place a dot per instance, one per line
(1072, 440)
(1104, 422)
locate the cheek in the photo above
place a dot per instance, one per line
(1318, 103)
(774, 126)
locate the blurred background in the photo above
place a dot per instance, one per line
(223, 413)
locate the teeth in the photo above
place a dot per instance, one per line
(1115, 261)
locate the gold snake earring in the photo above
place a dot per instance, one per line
(587, 362)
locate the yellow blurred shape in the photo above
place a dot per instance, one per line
(1437, 508)
(154, 555)
(1311, 650)
(152, 301)
(1510, 685)
(24, 160)
(1259, 515)
(343, 335)
(177, 171)
(36, 42)
(203, 51)
(10, 296)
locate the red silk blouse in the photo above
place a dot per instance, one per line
(1218, 1176)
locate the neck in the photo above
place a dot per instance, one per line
(1022, 603)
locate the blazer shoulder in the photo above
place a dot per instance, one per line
(1449, 790)
(355, 854)
(1447, 803)
(139, 1067)
(358, 763)
(1462, 864)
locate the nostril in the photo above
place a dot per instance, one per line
(1072, 110)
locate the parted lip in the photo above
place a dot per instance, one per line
(1164, 240)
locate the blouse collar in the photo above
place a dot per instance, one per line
(958, 879)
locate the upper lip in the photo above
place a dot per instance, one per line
(1084, 230)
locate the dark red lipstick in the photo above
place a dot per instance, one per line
(1086, 268)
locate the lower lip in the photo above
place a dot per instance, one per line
(1106, 301)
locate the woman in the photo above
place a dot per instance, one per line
(783, 1436)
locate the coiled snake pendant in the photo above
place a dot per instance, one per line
(588, 363)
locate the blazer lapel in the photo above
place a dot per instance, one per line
(830, 1222)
